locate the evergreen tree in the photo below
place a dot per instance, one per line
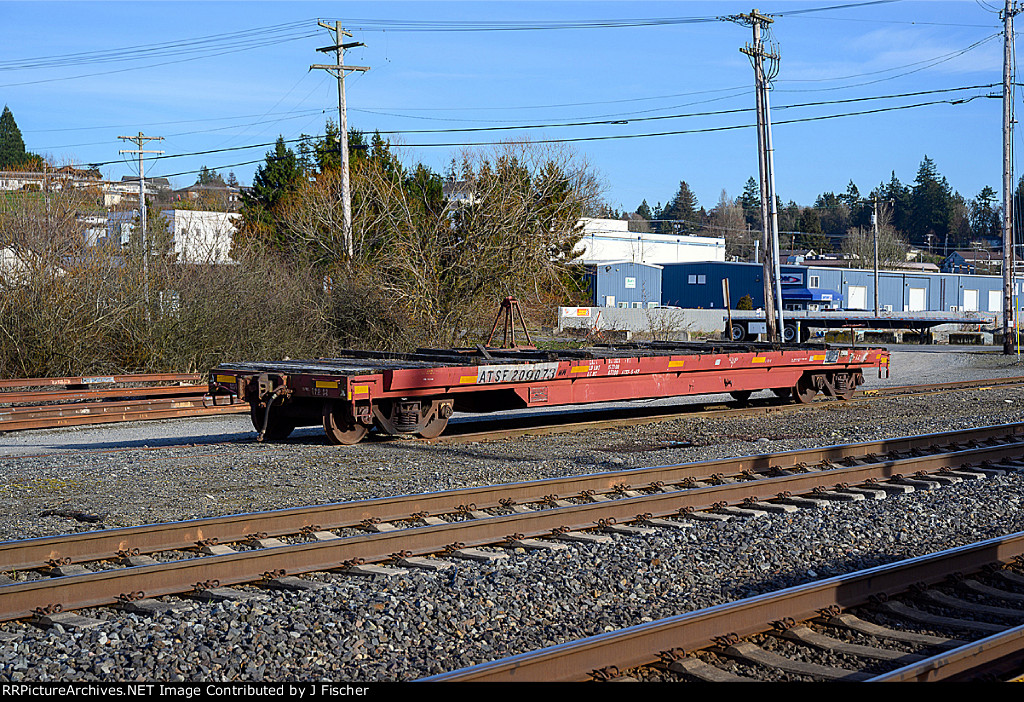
(931, 207)
(644, 211)
(750, 200)
(896, 197)
(12, 146)
(209, 176)
(684, 209)
(279, 176)
(986, 215)
(834, 215)
(810, 234)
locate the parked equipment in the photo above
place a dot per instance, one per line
(416, 393)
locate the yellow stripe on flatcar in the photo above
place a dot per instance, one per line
(361, 389)
(579, 369)
(675, 364)
(466, 379)
(225, 378)
(332, 384)
(819, 357)
(758, 359)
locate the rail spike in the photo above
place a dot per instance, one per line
(726, 640)
(672, 654)
(605, 674)
(784, 624)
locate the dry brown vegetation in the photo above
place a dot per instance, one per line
(428, 271)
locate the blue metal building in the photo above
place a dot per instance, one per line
(624, 284)
(699, 285)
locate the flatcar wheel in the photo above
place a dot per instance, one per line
(804, 390)
(436, 419)
(277, 429)
(341, 427)
(433, 428)
(741, 395)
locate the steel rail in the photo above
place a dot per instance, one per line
(56, 416)
(75, 401)
(958, 661)
(21, 599)
(953, 386)
(38, 396)
(101, 379)
(105, 544)
(534, 426)
(643, 644)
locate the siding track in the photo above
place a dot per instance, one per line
(90, 566)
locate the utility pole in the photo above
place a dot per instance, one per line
(140, 141)
(766, 165)
(1011, 9)
(874, 227)
(339, 70)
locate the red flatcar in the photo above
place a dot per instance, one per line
(416, 393)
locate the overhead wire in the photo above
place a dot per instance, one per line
(704, 130)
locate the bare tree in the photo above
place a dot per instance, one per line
(728, 221)
(892, 248)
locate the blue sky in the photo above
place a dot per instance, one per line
(223, 75)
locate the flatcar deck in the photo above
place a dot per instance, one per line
(416, 393)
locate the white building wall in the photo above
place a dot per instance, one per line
(201, 237)
(196, 237)
(611, 240)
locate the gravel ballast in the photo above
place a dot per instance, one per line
(406, 627)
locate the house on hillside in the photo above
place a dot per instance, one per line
(975, 261)
(193, 236)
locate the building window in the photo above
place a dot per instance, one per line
(623, 305)
(813, 281)
(697, 279)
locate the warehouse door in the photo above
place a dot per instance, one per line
(995, 300)
(858, 297)
(970, 300)
(917, 300)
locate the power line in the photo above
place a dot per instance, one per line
(567, 140)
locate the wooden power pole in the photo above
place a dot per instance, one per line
(766, 170)
(1011, 9)
(339, 70)
(140, 141)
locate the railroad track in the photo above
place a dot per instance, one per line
(486, 429)
(132, 567)
(82, 400)
(863, 626)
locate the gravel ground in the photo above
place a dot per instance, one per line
(379, 629)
